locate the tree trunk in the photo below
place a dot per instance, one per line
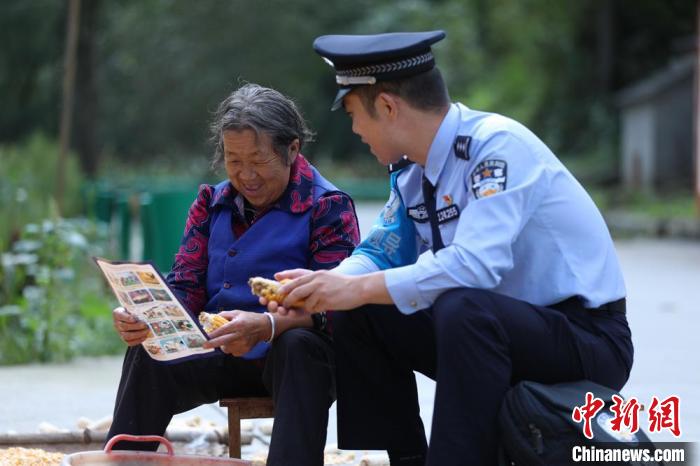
(73, 22)
(86, 99)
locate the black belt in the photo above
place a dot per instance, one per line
(575, 303)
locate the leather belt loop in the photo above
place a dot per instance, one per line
(575, 304)
(618, 307)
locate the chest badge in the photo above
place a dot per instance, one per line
(489, 178)
(447, 198)
(448, 213)
(418, 213)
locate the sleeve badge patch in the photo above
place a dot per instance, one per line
(489, 178)
(392, 205)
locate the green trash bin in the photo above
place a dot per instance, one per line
(123, 210)
(163, 215)
(104, 205)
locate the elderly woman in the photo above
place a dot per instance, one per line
(274, 212)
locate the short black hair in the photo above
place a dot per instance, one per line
(425, 91)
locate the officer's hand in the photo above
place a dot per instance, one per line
(323, 290)
(244, 331)
(131, 330)
(274, 306)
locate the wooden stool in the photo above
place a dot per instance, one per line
(243, 408)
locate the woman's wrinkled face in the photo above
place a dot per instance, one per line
(253, 168)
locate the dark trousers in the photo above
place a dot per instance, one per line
(298, 372)
(475, 344)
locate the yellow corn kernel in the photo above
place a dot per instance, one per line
(211, 322)
(29, 457)
(269, 289)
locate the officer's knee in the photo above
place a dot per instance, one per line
(459, 309)
(350, 324)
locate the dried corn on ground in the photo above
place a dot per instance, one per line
(211, 322)
(18, 456)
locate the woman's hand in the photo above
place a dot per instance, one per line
(244, 330)
(131, 330)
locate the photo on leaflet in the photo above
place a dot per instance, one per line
(184, 325)
(173, 345)
(148, 278)
(140, 296)
(172, 311)
(194, 340)
(164, 327)
(160, 295)
(153, 348)
(128, 279)
(153, 313)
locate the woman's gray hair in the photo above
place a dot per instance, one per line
(260, 109)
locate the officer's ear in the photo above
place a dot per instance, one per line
(387, 105)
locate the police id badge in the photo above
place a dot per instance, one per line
(489, 178)
(447, 213)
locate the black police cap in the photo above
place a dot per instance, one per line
(365, 59)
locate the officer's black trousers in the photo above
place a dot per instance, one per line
(476, 344)
(298, 371)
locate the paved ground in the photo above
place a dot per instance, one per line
(663, 280)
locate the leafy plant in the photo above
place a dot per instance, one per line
(28, 182)
(54, 302)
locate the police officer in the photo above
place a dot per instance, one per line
(488, 265)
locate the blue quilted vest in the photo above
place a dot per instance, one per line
(279, 240)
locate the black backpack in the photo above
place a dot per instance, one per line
(537, 428)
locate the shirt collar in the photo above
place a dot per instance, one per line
(297, 197)
(441, 146)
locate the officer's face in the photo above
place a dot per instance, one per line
(253, 168)
(374, 130)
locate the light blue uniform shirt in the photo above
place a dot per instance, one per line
(512, 218)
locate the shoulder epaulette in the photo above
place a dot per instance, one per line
(461, 146)
(403, 163)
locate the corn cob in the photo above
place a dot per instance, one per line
(269, 289)
(211, 322)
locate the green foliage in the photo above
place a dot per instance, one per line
(28, 183)
(176, 60)
(162, 66)
(52, 303)
(30, 67)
